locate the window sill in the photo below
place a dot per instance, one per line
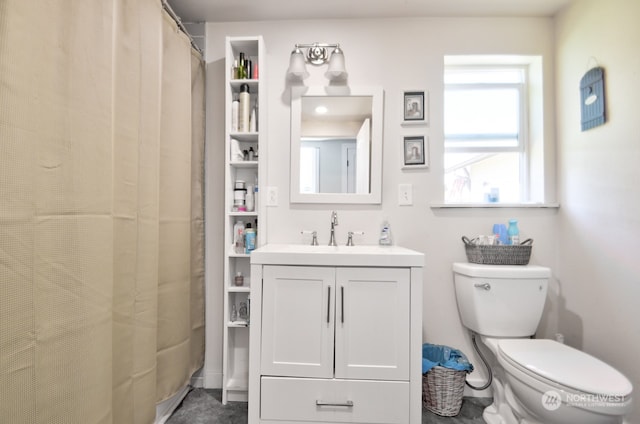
(436, 205)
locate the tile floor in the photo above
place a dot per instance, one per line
(203, 406)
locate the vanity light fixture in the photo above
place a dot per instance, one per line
(317, 54)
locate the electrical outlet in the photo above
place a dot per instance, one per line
(405, 194)
(272, 196)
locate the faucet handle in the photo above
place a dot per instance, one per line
(350, 235)
(314, 234)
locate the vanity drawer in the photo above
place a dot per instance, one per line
(334, 401)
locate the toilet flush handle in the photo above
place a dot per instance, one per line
(485, 286)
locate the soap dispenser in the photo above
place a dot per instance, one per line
(385, 234)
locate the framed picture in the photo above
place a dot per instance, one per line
(414, 151)
(415, 107)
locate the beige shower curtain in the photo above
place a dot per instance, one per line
(101, 211)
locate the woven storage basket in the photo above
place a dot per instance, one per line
(498, 255)
(442, 390)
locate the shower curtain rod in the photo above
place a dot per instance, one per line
(166, 6)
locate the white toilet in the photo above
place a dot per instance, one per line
(535, 381)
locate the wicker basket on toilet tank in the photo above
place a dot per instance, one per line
(497, 254)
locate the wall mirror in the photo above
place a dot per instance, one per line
(336, 144)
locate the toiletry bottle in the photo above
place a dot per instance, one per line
(238, 237)
(240, 199)
(242, 66)
(496, 239)
(244, 109)
(243, 311)
(249, 239)
(486, 192)
(238, 280)
(252, 121)
(235, 108)
(256, 113)
(234, 70)
(236, 152)
(250, 199)
(234, 313)
(513, 232)
(256, 195)
(385, 234)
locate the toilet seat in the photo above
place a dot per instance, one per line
(564, 366)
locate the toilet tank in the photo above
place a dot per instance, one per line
(501, 300)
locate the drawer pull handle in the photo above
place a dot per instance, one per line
(348, 404)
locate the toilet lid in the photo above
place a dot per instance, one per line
(566, 366)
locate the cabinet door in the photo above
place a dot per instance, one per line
(372, 323)
(298, 309)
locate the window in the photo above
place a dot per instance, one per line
(486, 132)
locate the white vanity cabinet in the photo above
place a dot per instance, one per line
(335, 322)
(337, 333)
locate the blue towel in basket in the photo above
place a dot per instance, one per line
(444, 356)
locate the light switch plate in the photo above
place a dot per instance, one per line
(272, 196)
(405, 194)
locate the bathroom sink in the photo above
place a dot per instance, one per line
(364, 255)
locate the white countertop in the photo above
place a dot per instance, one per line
(365, 255)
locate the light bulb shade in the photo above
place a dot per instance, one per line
(337, 70)
(297, 67)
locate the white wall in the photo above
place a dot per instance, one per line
(397, 54)
(599, 173)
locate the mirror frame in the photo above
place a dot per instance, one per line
(375, 174)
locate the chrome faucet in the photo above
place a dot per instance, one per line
(334, 222)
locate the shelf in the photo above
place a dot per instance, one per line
(242, 213)
(239, 289)
(245, 136)
(236, 83)
(236, 334)
(244, 164)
